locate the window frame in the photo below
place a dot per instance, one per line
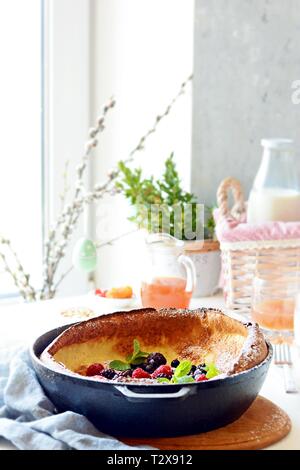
(60, 20)
(12, 295)
(63, 133)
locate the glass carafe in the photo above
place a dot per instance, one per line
(275, 195)
(169, 277)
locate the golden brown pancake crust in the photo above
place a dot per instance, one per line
(187, 334)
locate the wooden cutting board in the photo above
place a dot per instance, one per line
(263, 424)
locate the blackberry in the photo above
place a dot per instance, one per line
(200, 369)
(125, 373)
(108, 373)
(175, 363)
(193, 370)
(153, 361)
(163, 376)
(140, 364)
(148, 368)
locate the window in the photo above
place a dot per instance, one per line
(21, 133)
(44, 119)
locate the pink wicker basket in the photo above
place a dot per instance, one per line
(242, 260)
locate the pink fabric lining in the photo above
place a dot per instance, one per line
(232, 230)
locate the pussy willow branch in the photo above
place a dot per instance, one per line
(106, 187)
(54, 249)
(60, 234)
(66, 187)
(20, 278)
(116, 239)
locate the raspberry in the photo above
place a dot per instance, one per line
(94, 369)
(200, 378)
(108, 373)
(140, 374)
(165, 369)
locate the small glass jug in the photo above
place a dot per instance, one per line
(170, 276)
(275, 195)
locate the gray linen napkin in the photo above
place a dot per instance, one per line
(29, 420)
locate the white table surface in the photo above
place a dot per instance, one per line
(22, 323)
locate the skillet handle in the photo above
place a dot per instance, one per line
(133, 396)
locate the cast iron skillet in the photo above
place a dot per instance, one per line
(149, 410)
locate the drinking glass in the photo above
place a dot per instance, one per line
(297, 322)
(273, 305)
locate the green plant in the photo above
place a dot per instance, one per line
(173, 210)
(210, 224)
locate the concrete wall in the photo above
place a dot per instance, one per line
(246, 57)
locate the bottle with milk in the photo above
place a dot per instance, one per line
(275, 195)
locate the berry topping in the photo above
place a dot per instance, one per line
(138, 362)
(200, 378)
(166, 370)
(163, 376)
(148, 368)
(108, 373)
(201, 369)
(94, 369)
(175, 363)
(125, 373)
(140, 374)
(152, 365)
(153, 361)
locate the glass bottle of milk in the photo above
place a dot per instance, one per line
(275, 195)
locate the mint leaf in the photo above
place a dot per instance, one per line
(163, 380)
(212, 371)
(136, 351)
(183, 369)
(136, 347)
(185, 379)
(144, 354)
(119, 365)
(137, 360)
(138, 356)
